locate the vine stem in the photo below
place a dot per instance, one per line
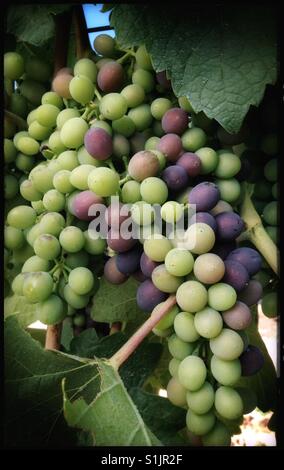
(53, 337)
(82, 39)
(131, 345)
(256, 233)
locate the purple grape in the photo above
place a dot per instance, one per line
(111, 77)
(82, 202)
(238, 317)
(205, 218)
(175, 120)
(175, 177)
(129, 262)
(139, 276)
(251, 360)
(229, 226)
(147, 265)
(116, 214)
(251, 294)
(223, 249)
(143, 164)
(163, 80)
(235, 275)
(205, 196)
(117, 242)
(248, 257)
(171, 146)
(98, 143)
(112, 274)
(191, 163)
(148, 296)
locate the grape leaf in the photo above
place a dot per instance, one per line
(67, 334)
(33, 409)
(220, 57)
(114, 303)
(18, 306)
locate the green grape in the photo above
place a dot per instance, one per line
(79, 176)
(184, 103)
(52, 310)
(193, 139)
(86, 67)
(157, 129)
(230, 189)
(121, 146)
(199, 238)
(72, 133)
(209, 159)
(38, 206)
(168, 320)
(164, 281)
(76, 260)
(24, 163)
(32, 233)
(179, 349)
(50, 97)
(18, 136)
(159, 107)
(202, 400)
(13, 238)
(143, 58)
(156, 247)
(70, 311)
(176, 393)
(42, 177)
(228, 165)
(228, 345)
(104, 45)
(103, 181)
(46, 115)
(76, 301)
(21, 217)
(68, 160)
(273, 233)
(162, 333)
(208, 323)
(184, 327)
(81, 89)
(209, 268)
(192, 373)
(191, 296)
(85, 158)
(61, 182)
(124, 126)
(46, 246)
(200, 424)
(219, 436)
(228, 403)
(143, 78)
(65, 115)
(10, 151)
(270, 213)
(130, 192)
(27, 145)
(37, 286)
(55, 143)
(38, 131)
(134, 95)
(20, 255)
(18, 105)
(171, 211)
(79, 320)
(269, 304)
(14, 65)
(81, 280)
(142, 213)
(173, 367)
(35, 264)
(9, 127)
(270, 170)
(151, 144)
(72, 239)
(31, 117)
(11, 186)
(221, 296)
(179, 262)
(141, 117)
(113, 106)
(102, 125)
(17, 284)
(52, 223)
(94, 244)
(154, 190)
(54, 201)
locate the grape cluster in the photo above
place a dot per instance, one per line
(109, 127)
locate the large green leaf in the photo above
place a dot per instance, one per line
(114, 303)
(220, 57)
(33, 409)
(18, 306)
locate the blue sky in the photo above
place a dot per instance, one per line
(95, 18)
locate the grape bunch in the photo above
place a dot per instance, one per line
(115, 149)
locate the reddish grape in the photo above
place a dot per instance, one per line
(98, 143)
